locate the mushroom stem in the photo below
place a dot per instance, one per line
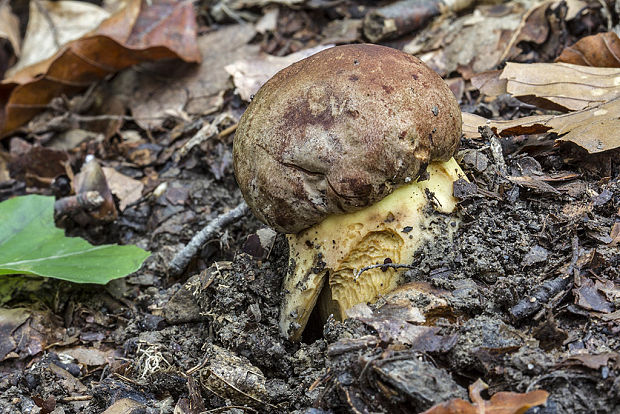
(334, 250)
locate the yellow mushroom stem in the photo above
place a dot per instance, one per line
(338, 248)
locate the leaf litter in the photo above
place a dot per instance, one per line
(526, 298)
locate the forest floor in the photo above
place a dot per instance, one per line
(526, 296)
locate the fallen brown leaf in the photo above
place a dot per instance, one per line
(250, 73)
(182, 90)
(142, 31)
(396, 320)
(539, 26)
(533, 183)
(469, 44)
(27, 332)
(500, 403)
(10, 320)
(127, 189)
(36, 165)
(592, 361)
(89, 355)
(561, 86)
(489, 83)
(600, 50)
(590, 295)
(588, 128)
(52, 24)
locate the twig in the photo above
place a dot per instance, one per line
(97, 118)
(75, 398)
(86, 201)
(548, 291)
(197, 367)
(227, 131)
(182, 259)
(382, 265)
(399, 18)
(230, 407)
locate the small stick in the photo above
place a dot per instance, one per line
(85, 201)
(382, 265)
(547, 291)
(182, 259)
(406, 16)
(76, 398)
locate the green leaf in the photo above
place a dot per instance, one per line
(30, 243)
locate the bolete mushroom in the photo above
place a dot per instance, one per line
(345, 151)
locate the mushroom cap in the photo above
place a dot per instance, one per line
(340, 130)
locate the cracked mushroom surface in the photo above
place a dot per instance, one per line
(343, 151)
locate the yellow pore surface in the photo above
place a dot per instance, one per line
(341, 245)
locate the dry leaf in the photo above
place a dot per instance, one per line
(127, 189)
(600, 50)
(489, 83)
(249, 74)
(10, 320)
(9, 28)
(53, 24)
(533, 28)
(139, 32)
(26, 332)
(590, 295)
(470, 44)
(36, 165)
(590, 128)
(179, 90)
(398, 321)
(90, 356)
(500, 403)
(561, 86)
(592, 361)
(269, 21)
(342, 31)
(533, 183)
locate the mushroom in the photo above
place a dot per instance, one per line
(345, 152)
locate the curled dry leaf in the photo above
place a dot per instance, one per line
(52, 24)
(589, 129)
(127, 189)
(601, 50)
(561, 86)
(536, 27)
(500, 403)
(142, 31)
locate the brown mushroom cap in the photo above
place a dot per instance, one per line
(339, 131)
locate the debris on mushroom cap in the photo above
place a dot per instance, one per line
(339, 131)
(325, 259)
